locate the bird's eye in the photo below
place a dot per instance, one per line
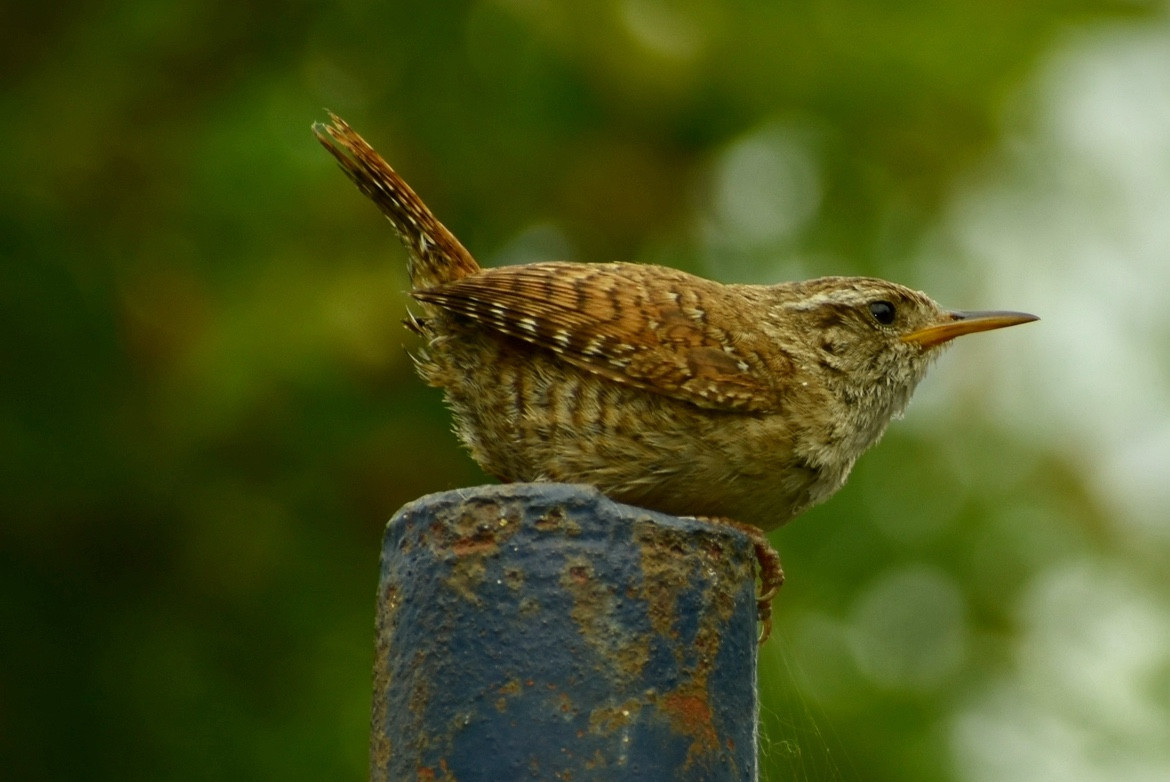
(882, 311)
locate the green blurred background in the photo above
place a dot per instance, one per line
(207, 413)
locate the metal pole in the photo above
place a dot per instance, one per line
(543, 632)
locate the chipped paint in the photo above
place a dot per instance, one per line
(541, 631)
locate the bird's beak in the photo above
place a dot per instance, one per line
(956, 324)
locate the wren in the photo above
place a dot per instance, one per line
(745, 404)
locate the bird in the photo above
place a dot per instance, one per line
(738, 404)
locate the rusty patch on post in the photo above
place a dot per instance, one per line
(674, 562)
(387, 615)
(475, 535)
(625, 650)
(607, 719)
(556, 519)
(690, 715)
(443, 774)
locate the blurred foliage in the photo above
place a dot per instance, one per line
(207, 414)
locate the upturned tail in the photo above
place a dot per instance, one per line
(435, 255)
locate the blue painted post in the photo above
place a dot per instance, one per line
(543, 632)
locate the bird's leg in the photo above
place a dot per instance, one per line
(771, 573)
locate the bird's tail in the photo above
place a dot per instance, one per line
(435, 255)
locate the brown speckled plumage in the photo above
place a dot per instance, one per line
(663, 389)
